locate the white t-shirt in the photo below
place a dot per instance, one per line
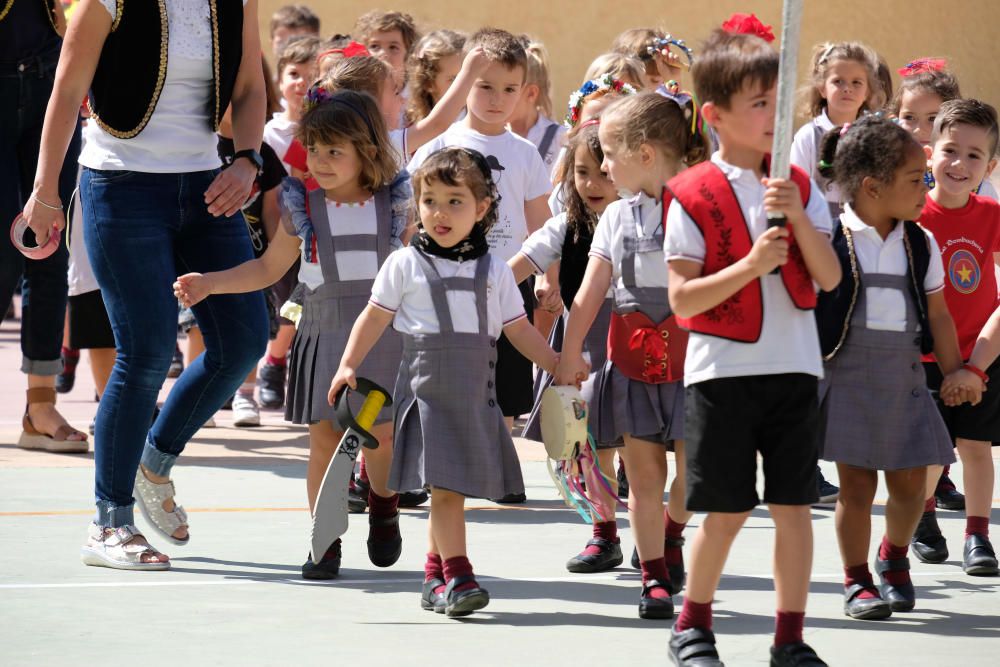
(278, 134)
(886, 308)
(805, 152)
(518, 171)
(401, 288)
(789, 342)
(398, 140)
(351, 264)
(650, 269)
(178, 137)
(537, 133)
(544, 247)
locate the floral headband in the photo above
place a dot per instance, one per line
(922, 65)
(604, 85)
(661, 46)
(748, 24)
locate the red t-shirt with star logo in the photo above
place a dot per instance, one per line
(968, 237)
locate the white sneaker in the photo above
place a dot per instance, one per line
(245, 411)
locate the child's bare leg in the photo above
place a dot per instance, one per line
(793, 551)
(933, 475)
(323, 441)
(854, 513)
(977, 475)
(646, 467)
(102, 361)
(379, 460)
(448, 523)
(905, 504)
(675, 503)
(607, 504)
(709, 551)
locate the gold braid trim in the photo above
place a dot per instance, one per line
(3, 12)
(854, 296)
(119, 8)
(160, 78)
(216, 118)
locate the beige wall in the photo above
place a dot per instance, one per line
(964, 31)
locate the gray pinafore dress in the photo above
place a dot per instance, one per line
(595, 346)
(877, 410)
(449, 431)
(329, 313)
(653, 412)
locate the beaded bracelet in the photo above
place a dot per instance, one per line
(978, 372)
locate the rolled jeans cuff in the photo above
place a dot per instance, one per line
(110, 515)
(157, 462)
(34, 367)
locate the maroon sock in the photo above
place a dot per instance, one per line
(788, 627)
(603, 530)
(929, 505)
(363, 471)
(459, 566)
(274, 361)
(977, 525)
(889, 551)
(674, 530)
(434, 569)
(656, 569)
(380, 507)
(944, 482)
(70, 359)
(860, 574)
(694, 615)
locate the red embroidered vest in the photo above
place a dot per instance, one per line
(708, 198)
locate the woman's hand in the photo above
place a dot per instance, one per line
(571, 370)
(344, 377)
(44, 220)
(231, 188)
(192, 288)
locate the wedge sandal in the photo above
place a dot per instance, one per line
(32, 438)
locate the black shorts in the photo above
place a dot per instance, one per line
(89, 326)
(971, 422)
(730, 420)
(515, 381)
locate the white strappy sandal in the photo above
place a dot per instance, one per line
(116, 548)
(150, 497)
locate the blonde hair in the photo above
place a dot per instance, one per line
(650, 118)
(379, 21)
(538, 74)
(423, 67)
(363, 74)
(620, 66)
(825, 55)
(635, 42)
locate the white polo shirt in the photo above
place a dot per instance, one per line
(650, 269)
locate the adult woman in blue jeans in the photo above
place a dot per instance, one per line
(155, 205)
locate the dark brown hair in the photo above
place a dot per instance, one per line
(730, 62)
(294, 16)
(580, 219)
(651, 118)
(942, 83)
(460, 166)
(968, 112)
(874, 147)
(298, 50)
(353, 117)
(379, 21)
(500, 47)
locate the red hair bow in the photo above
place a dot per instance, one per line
(921, 65)
(748, 24)
(355, 49)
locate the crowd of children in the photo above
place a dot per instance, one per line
(440, 221)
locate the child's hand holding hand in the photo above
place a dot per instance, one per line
(191, 288)
(782, 196)
(769, 251)
(344, 377)
(962, 386)
(571, 369)
(548, 294)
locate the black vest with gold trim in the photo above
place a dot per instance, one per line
(133, 64)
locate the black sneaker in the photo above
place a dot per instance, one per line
(609, 556)
(271, 379)
(827, 492)
(327, 568)
(946, 496)
(796, 654)
(694, 647)
(978, 557)
(622, 481)
(177, 363)
(928, 544)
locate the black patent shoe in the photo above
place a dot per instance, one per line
(678, 576)
(634, 562)
(463, 603)
(978, 557)
(650, 607)
(694, 647)
(622, 482)
(414, 498)
(609, 557)
(865, 609)
(902, 597)
(327, 568)
(946, 496)
(384, 552)
(431, 601)
(271, 379)
(511, 499)
(796, 654)
(928, 544)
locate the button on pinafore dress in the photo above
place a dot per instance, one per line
(329, 313)
(878, 412)
(653, 412)
(449, 431)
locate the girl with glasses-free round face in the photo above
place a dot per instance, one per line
(449, 212)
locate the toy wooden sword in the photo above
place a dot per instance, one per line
(781, 149)
(330, 514)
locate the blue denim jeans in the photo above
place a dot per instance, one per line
(141, 231)
(25, 88)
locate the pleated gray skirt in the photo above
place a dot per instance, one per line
(653, 412)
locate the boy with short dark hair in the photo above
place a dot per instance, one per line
(290, 21)
(745, 290)
(967, 228)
